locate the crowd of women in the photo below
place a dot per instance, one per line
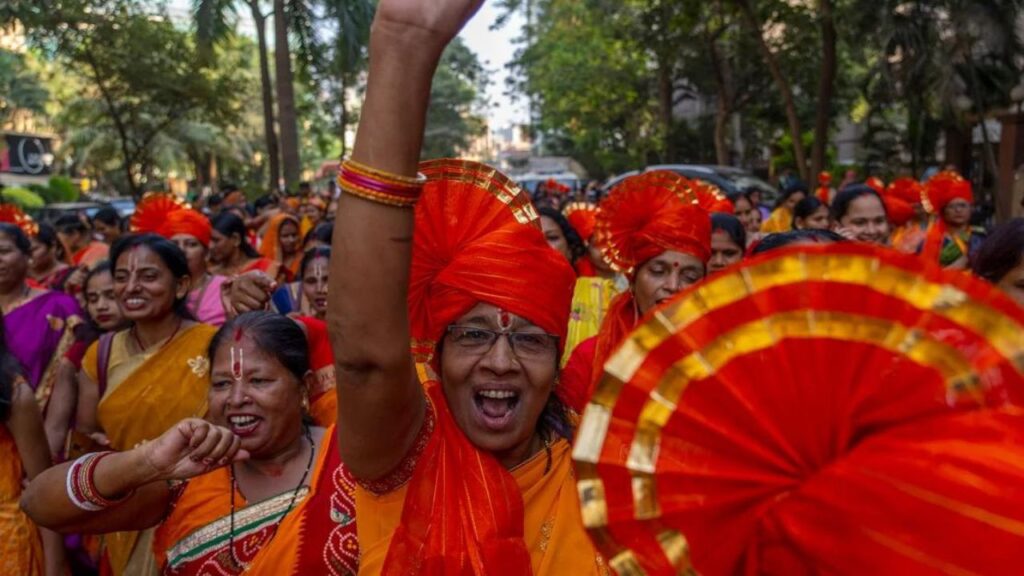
(393, 382)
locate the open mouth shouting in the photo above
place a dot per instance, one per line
(495, 407)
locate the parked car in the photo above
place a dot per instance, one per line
(51, 212)
(728, 179)
(532, 181)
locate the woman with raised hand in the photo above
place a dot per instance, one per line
(469, 473)
(251, 489)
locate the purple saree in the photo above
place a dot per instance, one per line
(38, 333)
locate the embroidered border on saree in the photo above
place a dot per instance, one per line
(248, 521)
(49, 380)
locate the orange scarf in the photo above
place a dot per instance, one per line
(463, 512)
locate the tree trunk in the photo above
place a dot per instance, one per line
(724, 99)
(344, 115)
(267, 89)
(665, 99)
(826, 85)
(286, 115)
(782, 83)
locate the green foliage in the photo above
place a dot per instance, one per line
(141, 92)
(62, 189)
(452, 122)
(24, 199)
(20, 88)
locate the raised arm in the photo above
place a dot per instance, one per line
(380, 403)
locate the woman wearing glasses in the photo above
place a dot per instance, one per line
(469, 472)
(951, 198)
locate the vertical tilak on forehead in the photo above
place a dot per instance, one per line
(237, 363)
(133, 259)
(504, 319)
(318, 271)
(238, 357)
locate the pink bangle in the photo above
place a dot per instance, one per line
(380, 187)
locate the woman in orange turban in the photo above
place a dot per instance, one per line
(192, 232)
(654, 228)
(951, 238)
(909, 226)
(467, 473)
(480, 460)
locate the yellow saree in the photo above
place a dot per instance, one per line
(146, 394)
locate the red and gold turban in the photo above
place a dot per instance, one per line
(945, 187)
(651, 213)
(876, 184)
(11, 214)
(711, 197)
(478, 239)
(167, 216)
(582, 216)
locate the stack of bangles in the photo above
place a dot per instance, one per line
(81, 484)
(379, 186)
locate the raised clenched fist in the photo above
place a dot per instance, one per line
(191, 448)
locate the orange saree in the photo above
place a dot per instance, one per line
(531, 524)
(21, 551)
(317, 536)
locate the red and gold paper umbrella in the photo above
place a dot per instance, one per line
(838, 409)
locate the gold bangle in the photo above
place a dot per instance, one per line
(419, 180)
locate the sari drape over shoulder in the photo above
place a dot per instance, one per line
(38, 334)
(146, 395)
(323, 395)
(206, 303)
(21, 552)
(451, 508)
(318, 536)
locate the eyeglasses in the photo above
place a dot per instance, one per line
(525, 345)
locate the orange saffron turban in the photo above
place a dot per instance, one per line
(167, 216)
(644, 216)
(876, 184)
(188, 221)
(11, 214)
(478, 239)
(945, 187)
(899, 210)
(824, 191)
(906, 189)
(651, 213)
